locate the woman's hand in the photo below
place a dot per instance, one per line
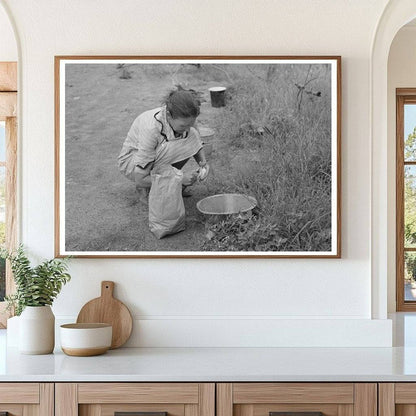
(189, 178)
(203, 171)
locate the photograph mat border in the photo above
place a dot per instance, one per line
(335, 252)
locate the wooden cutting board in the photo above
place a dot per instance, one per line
(107, 309)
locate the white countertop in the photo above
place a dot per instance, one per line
(222, 364)
(213, 364)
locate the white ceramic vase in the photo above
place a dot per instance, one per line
(37, 330)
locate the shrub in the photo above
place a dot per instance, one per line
(280, 153)
(237, 233)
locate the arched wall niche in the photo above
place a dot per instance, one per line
(396, 14)
(9, 45)
(10, 52)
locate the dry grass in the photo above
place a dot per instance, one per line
(279, 150)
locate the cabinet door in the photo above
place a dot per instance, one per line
(397, 399)
(26, 399)
(296, 399)
(144, 399)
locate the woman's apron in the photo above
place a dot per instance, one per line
(173, 151)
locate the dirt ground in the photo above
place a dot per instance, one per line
(102, 209)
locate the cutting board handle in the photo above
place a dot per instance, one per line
(107, 289)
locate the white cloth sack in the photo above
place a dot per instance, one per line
(166, 207)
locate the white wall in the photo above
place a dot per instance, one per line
(8, 47)
(401, 74)
(176, 301)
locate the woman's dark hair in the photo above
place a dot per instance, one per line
(182, 104)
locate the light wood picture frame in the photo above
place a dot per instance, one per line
(270, 127)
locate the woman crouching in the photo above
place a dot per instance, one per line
(163, 136)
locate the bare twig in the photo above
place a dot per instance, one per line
(312, 79)
(225, 72)
(172, 75)
(255, 75)
(301, 88)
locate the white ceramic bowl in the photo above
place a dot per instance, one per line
(84, 340)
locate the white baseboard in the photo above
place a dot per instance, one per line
(165, 332)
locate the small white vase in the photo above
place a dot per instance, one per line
(37, 330)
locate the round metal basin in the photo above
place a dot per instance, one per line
(226, 204)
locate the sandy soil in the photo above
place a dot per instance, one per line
(102, 209)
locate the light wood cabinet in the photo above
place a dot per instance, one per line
(296, 399)
(108, 399)
(397, 399)
(208, 399)
(27, 399)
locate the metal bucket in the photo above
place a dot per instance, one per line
(206, 133)
(217, 96)
(226, 204)
(208, 148)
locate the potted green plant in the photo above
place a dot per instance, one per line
(36, 289)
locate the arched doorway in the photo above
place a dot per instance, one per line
(396, 14)
(8, 149)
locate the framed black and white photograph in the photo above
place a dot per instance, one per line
(197, 156)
